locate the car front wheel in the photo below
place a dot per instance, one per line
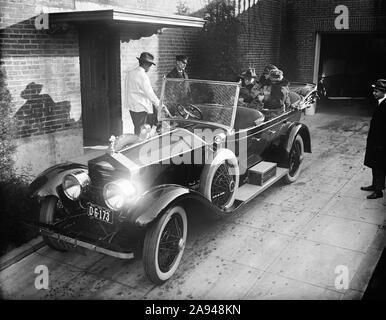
(295, 159)
(51, 211)
(220, 180)
(164, 245)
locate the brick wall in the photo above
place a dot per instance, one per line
(303, 19)
(259, 44)
(42, 71)
(165, 47)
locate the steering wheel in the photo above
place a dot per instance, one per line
(189, 111)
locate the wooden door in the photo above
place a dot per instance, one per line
(94, 85)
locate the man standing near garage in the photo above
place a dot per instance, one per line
(179, 70)
(375, 156)
(139, 95)
(181, 93)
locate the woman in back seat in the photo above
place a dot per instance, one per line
(278, 98)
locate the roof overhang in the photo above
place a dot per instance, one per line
(125, 18)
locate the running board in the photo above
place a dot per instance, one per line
(79, 243)
(248, 191)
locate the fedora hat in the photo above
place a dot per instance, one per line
(380, 84)
(146, 57)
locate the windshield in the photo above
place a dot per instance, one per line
(200, 101)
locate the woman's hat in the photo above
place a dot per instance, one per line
(268, 68)
(380, 85)
(146, 57)
(276, 75)
(250, 73)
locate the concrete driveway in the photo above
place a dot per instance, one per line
(319, 238)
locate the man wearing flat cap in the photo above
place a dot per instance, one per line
(181, 93)
(139, 96)
(375, 157)
(179, 70)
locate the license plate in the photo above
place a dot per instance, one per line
(99, 213)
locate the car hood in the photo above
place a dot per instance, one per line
(173, 146)
(163, 159)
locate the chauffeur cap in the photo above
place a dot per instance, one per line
(182, 58)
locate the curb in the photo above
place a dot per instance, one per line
(21, 252)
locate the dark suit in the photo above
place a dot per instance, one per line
(375, 156)
(175, 74)
(180, 94)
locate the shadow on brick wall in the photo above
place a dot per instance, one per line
(29, 54)
(40, 113)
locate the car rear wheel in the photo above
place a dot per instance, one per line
(51, 211)
(295, 159)
(220, 179)
(164, 245)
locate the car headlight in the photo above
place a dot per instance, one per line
(118, 193)
(219, 138)
(75, 183)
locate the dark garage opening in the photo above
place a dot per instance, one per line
(350, 63)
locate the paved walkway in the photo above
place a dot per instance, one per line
(291, 242)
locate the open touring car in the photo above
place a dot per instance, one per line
(208, 151)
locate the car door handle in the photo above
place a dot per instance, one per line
(271, 131)
(256, 139)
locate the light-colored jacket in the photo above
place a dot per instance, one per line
(139, 95)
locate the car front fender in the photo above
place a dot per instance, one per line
(47, 182)
(152, 204)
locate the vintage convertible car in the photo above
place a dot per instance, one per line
(206, 151)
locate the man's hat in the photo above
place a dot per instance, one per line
(380, 85)
(276, 75)
(182, 58)
(146, 57)
(250, 73)
(268, 68)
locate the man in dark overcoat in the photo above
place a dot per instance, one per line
(375, 156)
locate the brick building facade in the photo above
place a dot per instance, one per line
(44, 70)
(309, 26)
(50, 72)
